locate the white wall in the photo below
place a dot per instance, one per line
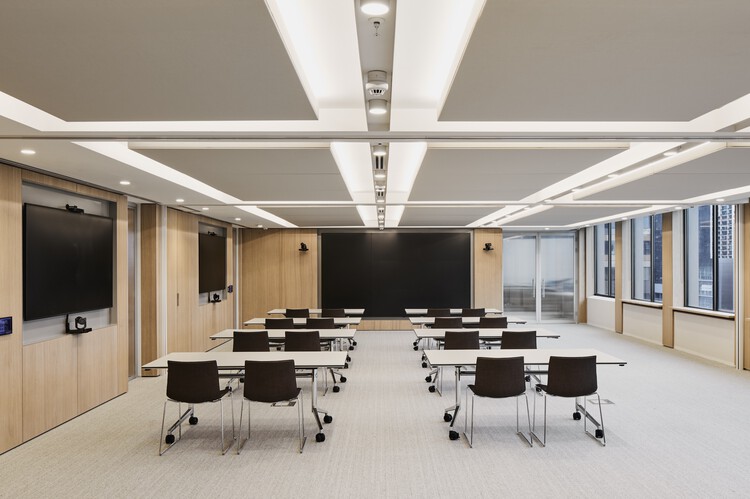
(601, 312)
(642, 322)
(708, 337)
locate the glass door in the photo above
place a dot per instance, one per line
(539, 276)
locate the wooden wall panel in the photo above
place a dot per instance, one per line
(275, 274)
(488, 269)
(618, 277)
(98, 367)
(150, 296)
(11, 305)
(582, 278)
(385, 325)
(120, 312)
(667, 276)
(50, 384)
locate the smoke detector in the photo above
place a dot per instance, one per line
(377, 83)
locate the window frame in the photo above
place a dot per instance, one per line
(652, 267)
(609, 279)
(714, 264)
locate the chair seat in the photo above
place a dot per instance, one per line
(271, 400)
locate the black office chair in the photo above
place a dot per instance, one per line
(473, 312)
(320, 323)
(272, 382)
(297, 312)
(493, 322)
(447, 323)
(250, 341)
(516, 340)
(498, 378)
(572, 377)
(438, 312)
(287, 323)
(193, 383)
(332, 312)
(307, 341)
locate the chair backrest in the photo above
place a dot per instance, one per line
(193, 382)
(279, 324)
(447, 322)
(461, 340)
(302, 341)
(518, 339)
(270, 381)
(332, 312)
(499, 377)
(572, 376)
(320, 323)
(438, 312)
(473, 312)
(493, 322)
(297, 312)
(250, 341)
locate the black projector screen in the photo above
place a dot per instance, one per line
(385, 272)
(212, 263)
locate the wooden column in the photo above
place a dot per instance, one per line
(582, 295)
(667, 276)
(150, 298)
(746, 284)
(488, 269)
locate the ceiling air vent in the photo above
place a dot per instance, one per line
(379, 162)
(377, 83)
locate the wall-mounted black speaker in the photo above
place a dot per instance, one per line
(488, 247)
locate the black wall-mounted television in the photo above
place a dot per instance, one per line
(212, 262)
(67, 262)
(385, 272)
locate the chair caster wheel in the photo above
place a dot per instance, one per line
(428, 379)
(447, 417)
(242, 380)
(416, 348)
(424, 364)
(327, 419)
(193, 420)
(432, 389)
(348, 359)
(169, 439)
(342, 379)
(336, 389)
(346, 365)
(351, 347)
(320, 437)
(538, 389)
(527, 378)
(599, 433)
(453, 435)
(415, 344)
(577, 416)
(354, 343)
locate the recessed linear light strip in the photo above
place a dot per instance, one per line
(120, 152)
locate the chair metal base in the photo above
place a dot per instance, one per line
(470, 437)
(579, 409)
(286, 403)
(188, 414)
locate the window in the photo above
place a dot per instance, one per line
(604, 256)
(646, 257)
(709, 257)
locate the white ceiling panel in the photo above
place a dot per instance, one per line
(261, 174)
(496, 174)
(723, 170)
(608, 60)
(320, 216)
(566, 215)
(419, 216)
(142, 60)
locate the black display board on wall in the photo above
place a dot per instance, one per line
(385, 272)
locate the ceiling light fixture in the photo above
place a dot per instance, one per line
(237, 219)
(375, 7)
(719, 200)
(124, 182)
(575, 189)
(612, 175)
(379, 150)
(205, 208)
(28, 152)
(380, 176)
(377, 106)
(380, 201)
(377, 83)
(179, 200)
(671, 153)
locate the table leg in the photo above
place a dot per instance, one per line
(320, 437)
(452, 434)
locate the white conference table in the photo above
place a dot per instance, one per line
(278, 334)
(484, 333)
(233, 361)
(318, 311)
(301, 322)
(454, 311)
(538, 357)
(466, 321)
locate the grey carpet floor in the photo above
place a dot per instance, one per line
(676, 427)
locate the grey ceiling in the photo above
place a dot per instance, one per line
(606, 60)
(261, 174)
(416, 216)
(496, 174)
(136, 60)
